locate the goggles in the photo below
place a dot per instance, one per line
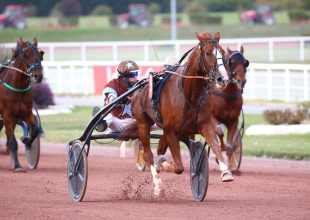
(133, 74)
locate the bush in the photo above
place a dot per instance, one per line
(154, 8)
(285, 116)
(102, 10)
(70, 8)
(68, 21)
(195, 7)
(203, 18)
(43, 95)
(306, 107)
(298, 15)
(165, 19)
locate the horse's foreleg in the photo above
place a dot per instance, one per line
(208, 131)
(220, 133)
(33, 131)
(161, 150)
(159, 189)
(144, 135)
(12, 144)
(230, 144)
(174, 146)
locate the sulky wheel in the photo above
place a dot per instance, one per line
(138, 154)
(33, 154)
(237, 154)
(77, 172)
(199, 171)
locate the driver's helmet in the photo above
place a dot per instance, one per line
(128, 69)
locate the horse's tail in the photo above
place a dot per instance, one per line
(130, 132)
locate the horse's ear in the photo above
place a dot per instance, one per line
(241, 49)
(199, 37)
(19, 41)
(229, 50)
(217, 36)
(35, 41)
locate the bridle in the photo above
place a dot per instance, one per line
(238, 56)
(203, 60)
(30, 68)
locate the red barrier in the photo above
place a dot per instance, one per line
(103, 74)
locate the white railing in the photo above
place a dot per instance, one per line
(275, 49)
(286, 82)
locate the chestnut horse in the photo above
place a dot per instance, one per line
(16, 99)
(223, 104)
(178, 104)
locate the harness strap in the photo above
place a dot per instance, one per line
(15, 89)
(228, 96)
(14, 68)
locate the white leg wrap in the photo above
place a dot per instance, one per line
(223, 166)
(159, 187)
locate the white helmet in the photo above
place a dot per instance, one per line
(170, 61)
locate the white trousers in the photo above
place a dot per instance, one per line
(117, 125)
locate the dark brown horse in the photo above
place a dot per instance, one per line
(16, 99)
(223, 104)
(178, 103)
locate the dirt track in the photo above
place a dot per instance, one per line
(267, 189)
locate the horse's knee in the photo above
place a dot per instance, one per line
(162, 149)
(229, 149)
(148, 157)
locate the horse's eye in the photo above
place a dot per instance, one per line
(41, 53)
(208, 53)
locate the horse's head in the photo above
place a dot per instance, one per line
(28, 57)
(207, 45)
(237, 64)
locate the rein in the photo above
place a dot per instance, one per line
(188, 77)
(14, 68)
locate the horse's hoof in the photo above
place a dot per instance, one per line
(159, 192)
(236, 172)
(159, 161)
(227, 176)
(19, 170)
(179, 170)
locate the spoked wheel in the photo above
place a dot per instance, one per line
(77, 172)
(138, 154)
(199, 171)
(237, 154)
(33, 154)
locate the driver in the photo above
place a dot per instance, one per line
(120, 116)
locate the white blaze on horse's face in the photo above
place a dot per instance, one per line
(221, 66)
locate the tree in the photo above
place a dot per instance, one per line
(70, 8)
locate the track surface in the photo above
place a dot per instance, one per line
(266, 189)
